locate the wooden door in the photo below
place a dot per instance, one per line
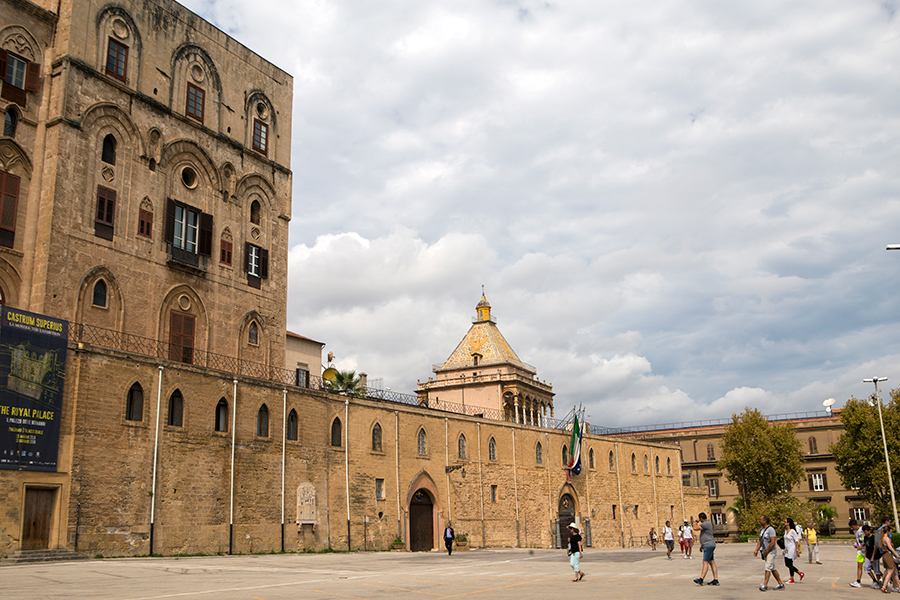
(421, 522)
(566, 518)
(36, 519)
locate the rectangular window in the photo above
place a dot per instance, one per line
(116, 59)
(614, 512)
(260, 136)
(225, 247)
(817, 482)
(494, 494)
(181, 337)
(713, 485)
(256, 264)
(19, 76)
(195, 100)
(186, 229)
(859, 513)
(718, 518)
(302, 378)
(9, 190)
(145, 223)
(379, 489)
(106, 206)
(15, 71)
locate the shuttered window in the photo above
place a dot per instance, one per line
(181, 337)
(106, 206)
(116, 59)
(9, 190)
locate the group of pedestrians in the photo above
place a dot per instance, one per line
(790, 542)
(874, 551)
(685, 538)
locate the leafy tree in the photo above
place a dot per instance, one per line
(763, 459)
(777, 507)
(346, 383)
(859, 452)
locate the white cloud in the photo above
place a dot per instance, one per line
(676, 210)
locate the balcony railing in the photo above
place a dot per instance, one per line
(189, 259)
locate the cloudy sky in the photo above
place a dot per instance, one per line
(677, 209)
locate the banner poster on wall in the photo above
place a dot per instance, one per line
(32, 373)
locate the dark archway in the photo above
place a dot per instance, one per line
(421, 522)
(566, 517)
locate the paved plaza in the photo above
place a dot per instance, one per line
(479, 574)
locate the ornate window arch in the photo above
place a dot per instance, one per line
(175, 417)
(539, 454)
(376, 438)
(262, 421)
(612, 461)
(336, 433)
(492, 449)
(293, 426)
(222, 415)
(461, 450)
(422, 442)
(99, 294)
(134, 403)
(591, 458)
(108, 154)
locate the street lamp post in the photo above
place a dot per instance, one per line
(887, 459)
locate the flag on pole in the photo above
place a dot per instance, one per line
(574, 466)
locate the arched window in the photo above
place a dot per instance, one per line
(421, 443)
(254, 212)
(176, 409)
(492, 449)
(262, 421)
(668, 466)
(222, 415)
(293, 431)
(461, 447)
(657, 465)
(710, 452)
(10, 120)
(646, 464)
(253, 334)
(539, 454)
(109, 150)
(565, 455)
(99, 294)
(612, 461)
(376, 438)
(813, 447)
(633, 462)
(336, 433)
(591, 458)
(134, 405)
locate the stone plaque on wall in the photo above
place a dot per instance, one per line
(306, 504)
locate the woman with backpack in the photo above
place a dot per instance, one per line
(791, 540)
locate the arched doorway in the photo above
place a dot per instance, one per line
(421, 522)
(566, 517)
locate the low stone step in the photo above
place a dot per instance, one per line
(32, 556)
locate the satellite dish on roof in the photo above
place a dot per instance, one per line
(329, 374)
(828, 402)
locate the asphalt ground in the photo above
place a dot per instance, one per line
(523, 574)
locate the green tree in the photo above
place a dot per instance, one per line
(763, 459)
(346, 383)
(859, 452)
(777, 507)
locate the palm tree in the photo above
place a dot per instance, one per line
(346, 383)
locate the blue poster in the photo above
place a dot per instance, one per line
(32, 373)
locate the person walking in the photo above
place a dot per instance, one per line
(872, 563)
(765, 546)
(669, 540)
(890, 559)
(791, 541)
(812, 543)
(859, 544)
(652, 537)
(575, 551)
(708, 546)
(449, 536)
(688, 537)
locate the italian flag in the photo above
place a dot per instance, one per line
(574, 450)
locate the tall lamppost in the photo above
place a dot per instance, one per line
(887, 459)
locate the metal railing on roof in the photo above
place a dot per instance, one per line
(820, 414)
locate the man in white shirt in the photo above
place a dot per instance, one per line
(688, 538)
(669, 539)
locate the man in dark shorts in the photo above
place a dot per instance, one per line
(669, 539)
(708, 545)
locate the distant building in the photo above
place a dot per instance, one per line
(484, 375)
(304, 357)
(700, 448)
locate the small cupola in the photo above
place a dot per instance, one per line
(483, 310)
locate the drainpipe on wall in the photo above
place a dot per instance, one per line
(481, 488)
(619, 486)
(283, 444)
(653, 477)
(447, 466)
(155, 457)
(347, 464)
(397, 467)
(516, 490)
(231, 500)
